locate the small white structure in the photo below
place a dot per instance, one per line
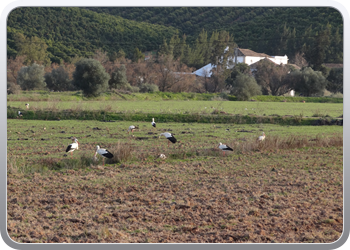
(246, 56)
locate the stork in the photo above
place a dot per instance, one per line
(27, 105)
(169, 136)
(153, 123)
(224, 148)
(20, 113)
(104, 153)
(73, 146)
(132, 128)
(261, 137)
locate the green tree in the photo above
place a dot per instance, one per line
(244, 87)
(240, 68)
(118, 79)
(33, 48)
(316, 52)
(137, 55)
(272, 78)
(91, 77)
(31, 77)
(335, 80)
(308, 82)
(58, 80)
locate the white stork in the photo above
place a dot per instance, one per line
(73, 146)
(261, 137)
(27, 105)
(104, 153)
(153, 123)
(132, 128)
(20, 113)
(224, 148)
(169, 136)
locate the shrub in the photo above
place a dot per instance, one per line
(148, 88)
(13, 88)
(335, 80)
(244, 87)
(118, 79)
(308, 81)
(91, 77)
(58, 80)
(31, 77)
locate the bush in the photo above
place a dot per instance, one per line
(31, 77)
(58, 80)
(244, 87)
(91, 77)
(13, 88)
(335, 80)
(308, 82)
(118, 79)
(148, 88)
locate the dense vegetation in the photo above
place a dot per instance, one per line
(258, 28)
(76, 31)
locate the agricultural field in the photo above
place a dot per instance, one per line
(192, 107)
(287, 188)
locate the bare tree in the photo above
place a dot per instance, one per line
(299, 60)
(13, 66)
(172, 75)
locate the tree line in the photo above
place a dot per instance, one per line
(98, 74)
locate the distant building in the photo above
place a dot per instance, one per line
(246, 56)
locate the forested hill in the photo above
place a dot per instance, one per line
(77, 31)
(258, 28)
(81, 31)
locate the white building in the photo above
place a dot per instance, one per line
(243, 56)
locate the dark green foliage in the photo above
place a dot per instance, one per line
(315, 51)
(91, 77)
(240, 68)
(137, 55)
(274, 31)
(244, 87)
(308, 82)
(76, 31)
(335, 80)
(118, 79)
(58, 80)
(31, 77)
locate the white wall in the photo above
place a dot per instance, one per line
(279, 59)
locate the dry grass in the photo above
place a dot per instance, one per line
(121, 152)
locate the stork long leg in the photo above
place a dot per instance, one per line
(103, 161)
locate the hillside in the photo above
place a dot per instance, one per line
(76, 31)
(81, 31)
(258, 28)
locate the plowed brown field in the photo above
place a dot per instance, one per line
(292, 195)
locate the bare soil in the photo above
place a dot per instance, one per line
(292, 195)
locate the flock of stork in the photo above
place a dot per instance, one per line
(106, 154)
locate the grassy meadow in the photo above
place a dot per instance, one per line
(192, 107)
(287, 188)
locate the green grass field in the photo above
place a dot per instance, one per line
(49, 139)
(193, 107)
